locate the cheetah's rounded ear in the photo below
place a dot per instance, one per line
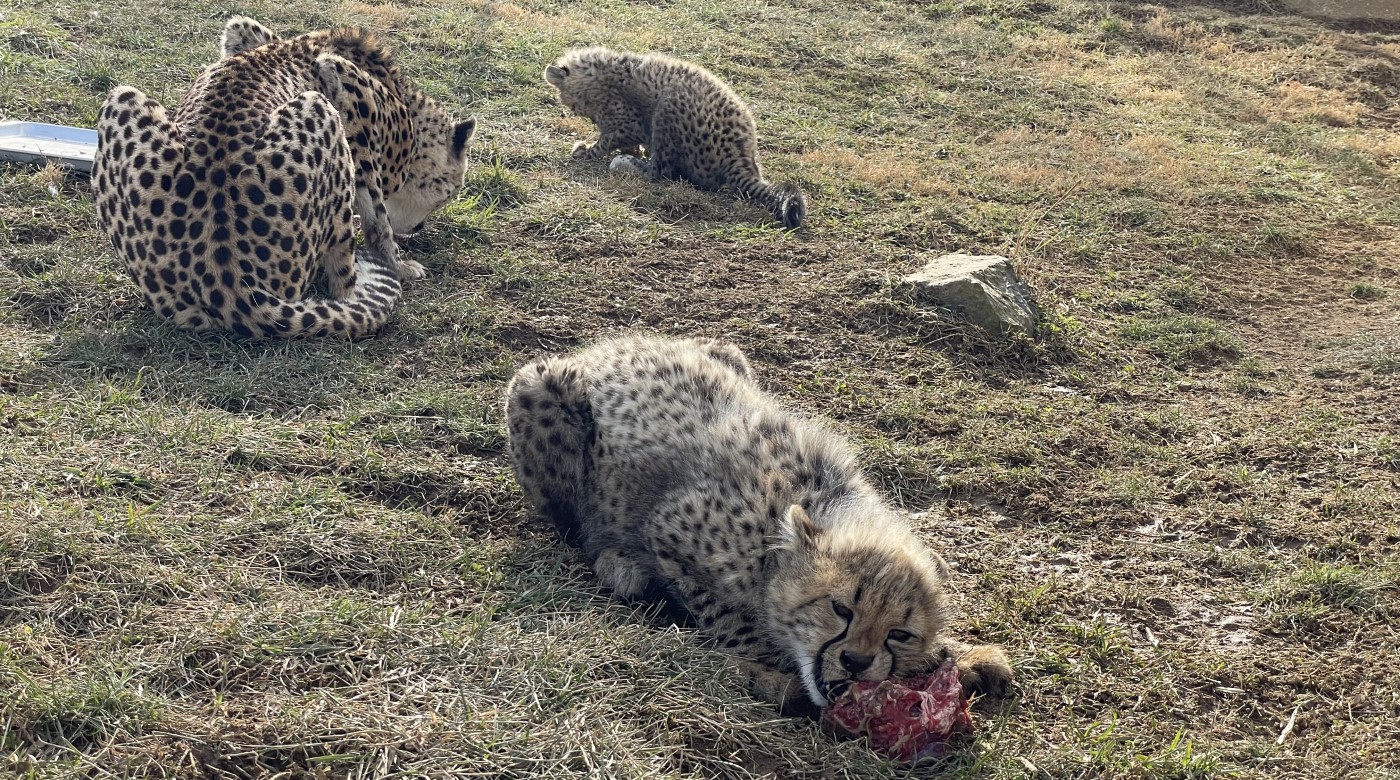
(939, 565)
(242, 33)
(797, 531)
(461, 134)
(555, 74)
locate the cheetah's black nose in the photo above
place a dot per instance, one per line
(855, 663)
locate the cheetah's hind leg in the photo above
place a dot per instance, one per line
(118, 176)
(626, 163)
(331, 188)
(551, 431)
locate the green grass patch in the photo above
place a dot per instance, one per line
(1366, 291)
(1183, 340)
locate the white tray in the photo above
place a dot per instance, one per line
(31, 141)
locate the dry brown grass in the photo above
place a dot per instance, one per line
(890, 171)
(378, 16)
(1322, 105)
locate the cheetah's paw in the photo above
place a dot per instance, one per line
(985, 669)
(411, 269)
(620, 573)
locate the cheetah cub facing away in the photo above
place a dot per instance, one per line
(692, 124)
(670, 467)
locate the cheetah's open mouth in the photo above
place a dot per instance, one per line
(829, 689)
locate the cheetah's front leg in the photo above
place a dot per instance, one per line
(606, 143)
(379, 232)
(342, 82)
(619, 128)
(624, 576)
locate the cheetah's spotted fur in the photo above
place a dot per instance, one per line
(225, 214)
(691, 123)
(669, 466)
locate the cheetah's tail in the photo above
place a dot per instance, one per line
(363, 312)
(791, 206)
(788, 203)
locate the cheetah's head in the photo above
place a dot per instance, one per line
(583, 77)
(856, 601)
(437, 169)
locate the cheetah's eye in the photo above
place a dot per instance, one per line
(900, 635)
(842, 611)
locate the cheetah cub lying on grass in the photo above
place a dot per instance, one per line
(692, 124)
(670, 467)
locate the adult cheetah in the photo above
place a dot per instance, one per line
(226, 213)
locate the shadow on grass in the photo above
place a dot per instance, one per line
(213, 369)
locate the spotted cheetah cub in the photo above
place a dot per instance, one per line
(692, 124)
(670, 467)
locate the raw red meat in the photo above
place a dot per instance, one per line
(904, 719)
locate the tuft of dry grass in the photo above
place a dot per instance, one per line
(1322, 105)
(378, 16)
(886, 172)
(1176, 507)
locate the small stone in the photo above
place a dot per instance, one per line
(982, 289)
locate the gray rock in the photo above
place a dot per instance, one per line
(982, 289)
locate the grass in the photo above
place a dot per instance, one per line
(1365, 291)
(1176, 508)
